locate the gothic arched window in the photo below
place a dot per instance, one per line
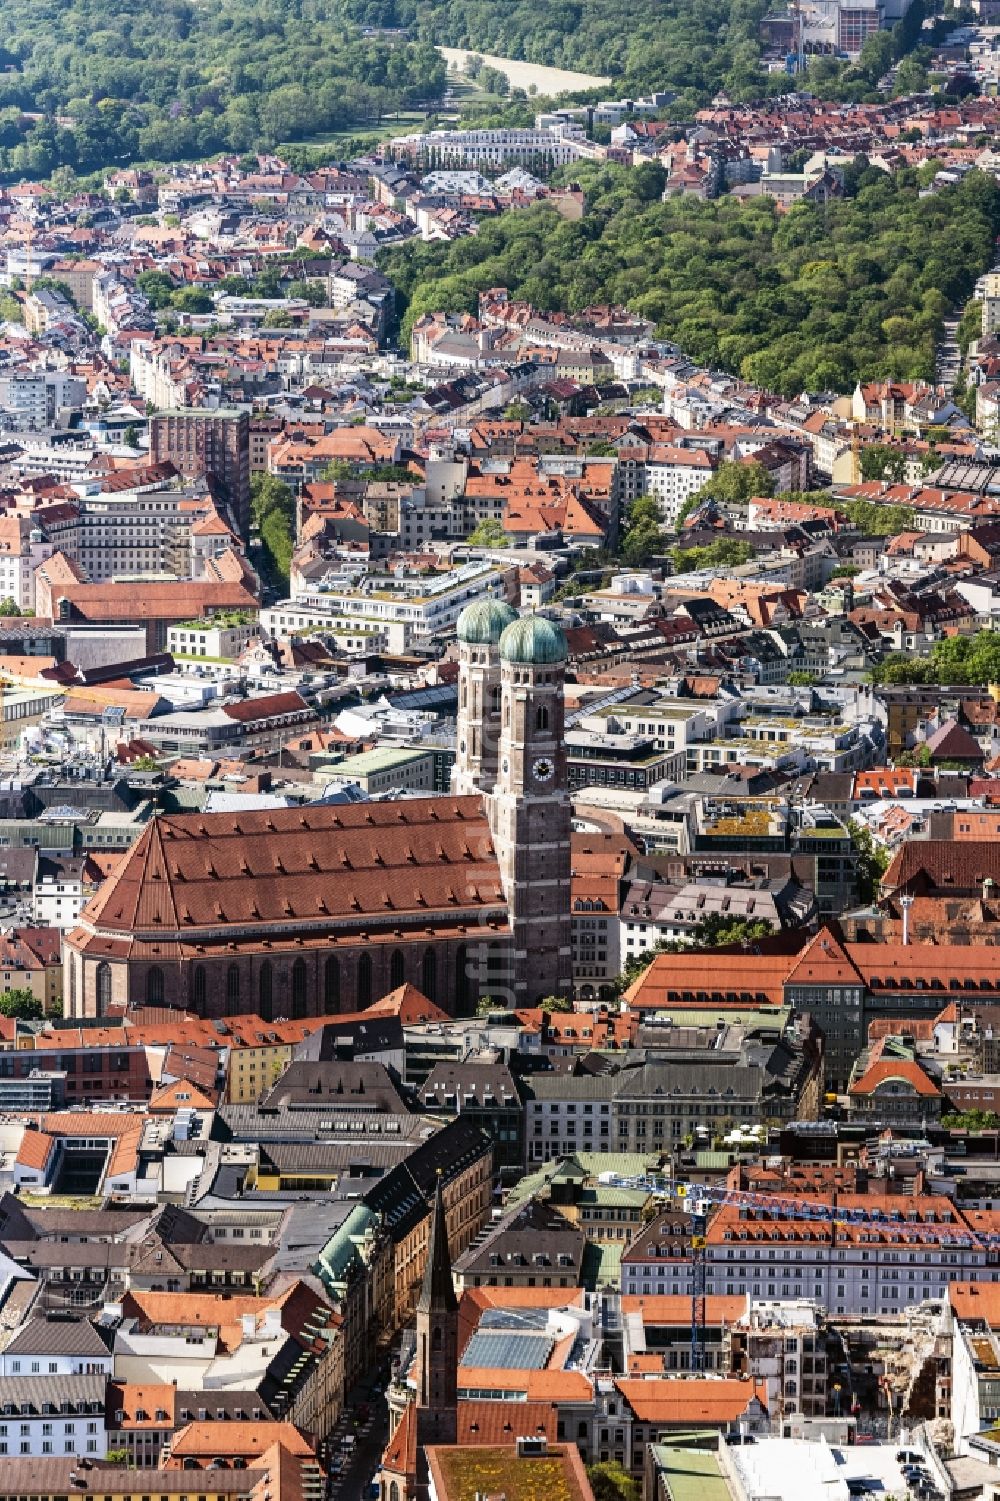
(299, 976)
(199, 989)
(331, 986)
(103, 987)
(397, 969)
(542, 717)
(461, 978)
(365, 980)
(428, 974)
(233, 989)
(154, 986)
(265, 990)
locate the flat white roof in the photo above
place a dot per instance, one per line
(814, 1470)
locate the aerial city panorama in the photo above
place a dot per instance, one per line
(500, 750)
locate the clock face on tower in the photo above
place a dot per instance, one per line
(543, 769)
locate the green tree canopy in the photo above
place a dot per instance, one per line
(880, 461)
(20, 1003)
(877, 520)
(814, 298)
(736, 483)
(488, 533)
(643, 537)
(725, 552)
(272, 508)
(610, 1482)
(971, 659)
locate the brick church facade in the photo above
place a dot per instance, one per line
(296, 912)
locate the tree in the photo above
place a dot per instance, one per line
(131, 436)
(21, 1004)
(561, 1003)
(877, 520)
(971, 1120)
(920, 756)
(871, 861)
(691, 504)
(800, 678)
(610, 1482)
(813, 299)
(736, 483)
(880, 461)
(957, 659)
(272, 508)
(157, 288)
(724, 552)
(192, 300)
(517, 410)
(488, 533)
(718, 931)
(313, 292)
(9, 606)
(643, 537)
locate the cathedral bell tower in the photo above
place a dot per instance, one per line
(530, 807)
(479, 629)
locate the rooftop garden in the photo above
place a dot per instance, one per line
(492, 1472)
(226, 618)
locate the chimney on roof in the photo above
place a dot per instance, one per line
(906, 902)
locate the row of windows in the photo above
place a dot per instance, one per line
(155, 983)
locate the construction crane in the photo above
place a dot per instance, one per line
(697, 1207)
(696, 1200)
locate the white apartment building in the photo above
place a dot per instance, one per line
(53, 1415)
(157, 375)
(32, 399)
(557, 144)
(64, 461)
(58, 897)
(924, 1245)
(674, 474)
(23, 548)
(144, 530)
(406, 607)
(56, 1348)
(206, 638)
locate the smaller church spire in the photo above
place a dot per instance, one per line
(438, 1291)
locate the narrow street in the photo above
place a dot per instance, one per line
(360, 1466)
(948, 359)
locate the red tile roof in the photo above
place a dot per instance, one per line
(505, 1422)
(690, 1400)
(268, 867)
(892, 1070)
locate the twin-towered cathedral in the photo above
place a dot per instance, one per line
(511, 750)
(318, 910)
